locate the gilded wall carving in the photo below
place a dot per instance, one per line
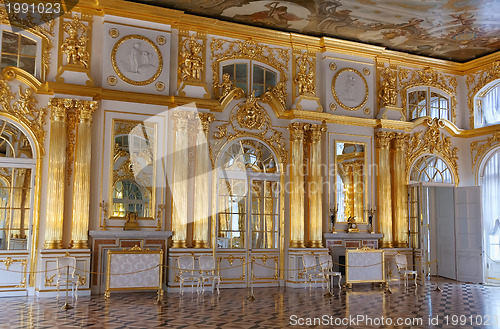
(191, 65)
(22, 106)
(476, 81)
(435, 142)
(76, 34)
(249, 119)
(304, 74)
(388, 91)
(428, 77)
(31, 23)
(478, 149)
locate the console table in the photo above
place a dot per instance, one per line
(103, 241)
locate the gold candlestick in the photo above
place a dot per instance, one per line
(104, 208)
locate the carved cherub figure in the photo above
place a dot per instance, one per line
(225, 86)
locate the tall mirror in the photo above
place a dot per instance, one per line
(350, 181)
(133, 187)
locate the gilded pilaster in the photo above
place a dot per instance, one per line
(315, 186)
(399, 191)
(81, 180)
(202, 176)
(382, 141)
(180, 178)
(55, 182)
(297, 185)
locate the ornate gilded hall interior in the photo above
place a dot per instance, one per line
(341, 154)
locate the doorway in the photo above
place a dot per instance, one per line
(248, 214)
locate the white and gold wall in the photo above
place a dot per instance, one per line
(144, 89)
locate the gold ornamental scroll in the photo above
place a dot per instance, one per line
(180, 178)
(399, 192)
(202, 175)
(56, 177)
(81, 180)
(384, 203)
(315, 187)
(297, 185)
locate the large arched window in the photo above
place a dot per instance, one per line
(428, 101)
(490, 184)
(488, 105)
(250, 75)
(431, 169)
(18, 51)
(17, 164)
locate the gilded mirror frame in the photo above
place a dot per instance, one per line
(365, 178)
(130, 125)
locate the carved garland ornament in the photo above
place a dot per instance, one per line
(476, 81)
(479, 148)
(434, 142)
(22, 106)
(222, 50)
(32, 25)
(75, 45)
(428, 77)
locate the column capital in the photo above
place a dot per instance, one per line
(383, 138)
(315, 131)
(59, 107)
(85, 109)
(202, 121)
(297, 130)
(399, 141)
(181, 120)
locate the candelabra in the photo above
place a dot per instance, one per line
(371, 212)
(104, 209)
(333, 217)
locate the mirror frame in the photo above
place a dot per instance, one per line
(152, 197)
(365, 178)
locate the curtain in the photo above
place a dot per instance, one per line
(491, 208)
(491, 106)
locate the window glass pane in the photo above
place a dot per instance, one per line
(491, 106)
(229, 69)
(10, 42)
(242, 85)
(259, 90)
(28, 47)
(270, 79)
(258, 75)
(27, 64)
(241, 72)
(8, 60)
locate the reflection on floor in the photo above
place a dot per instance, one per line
(457, 306)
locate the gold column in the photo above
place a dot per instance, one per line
(315, 187)
(399, 192)
(56, 178)
(180, 179)
(297, 185)
(202, 172)
(382, 141)
(358, 189)
(81, 180)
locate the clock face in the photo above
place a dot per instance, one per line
(354, 225)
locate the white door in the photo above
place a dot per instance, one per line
(469, 239)
(444, 216)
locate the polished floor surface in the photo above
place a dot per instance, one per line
(456, 306)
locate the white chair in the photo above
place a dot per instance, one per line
(402, 265)
(310, 268)
(326, 265)
(66, 267)
(187, 273)
(207, 268)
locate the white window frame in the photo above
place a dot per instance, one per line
(428, 91)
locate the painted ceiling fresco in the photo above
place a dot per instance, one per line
(458, 30)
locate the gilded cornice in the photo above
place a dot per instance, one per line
(476, 81)
(434, 142)
(478, 149)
